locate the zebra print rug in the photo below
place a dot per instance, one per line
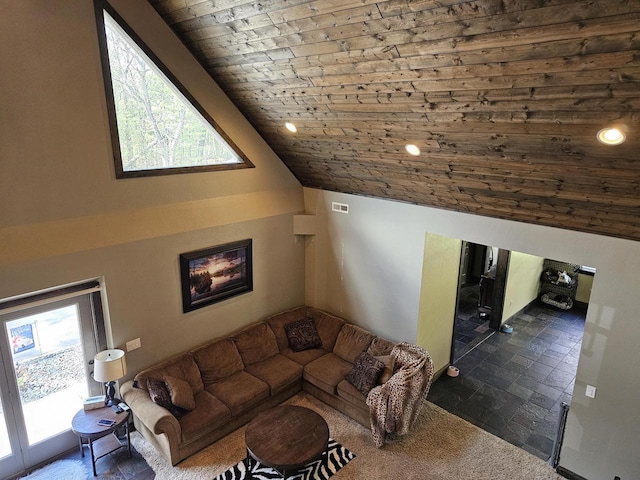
(335, 458)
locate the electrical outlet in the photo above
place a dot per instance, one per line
(590, 391)
(133, 344)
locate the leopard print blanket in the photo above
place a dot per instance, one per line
(395, 405)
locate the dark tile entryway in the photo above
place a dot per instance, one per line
(470, 328)
(512, 385)
(116, 466)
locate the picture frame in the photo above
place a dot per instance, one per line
(214, 274)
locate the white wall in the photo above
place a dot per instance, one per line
(367, 266)
(64, 217)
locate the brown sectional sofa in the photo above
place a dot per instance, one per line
(235, 377)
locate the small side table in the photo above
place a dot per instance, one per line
(101, 440)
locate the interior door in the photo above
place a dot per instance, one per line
(45, 376)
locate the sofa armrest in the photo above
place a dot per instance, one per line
(156, 418)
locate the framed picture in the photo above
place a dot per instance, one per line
(215, 274)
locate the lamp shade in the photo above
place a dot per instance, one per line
(109, 365)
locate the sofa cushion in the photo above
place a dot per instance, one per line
(239, 392)
(389, 366)
(256, 343)
(278, 372)
(218, 360)
(304, 356)
(180, 393)
(209, 413)
(327, 372)
(351, 342)
(328, 327)
(279, 320)
(302, 334)
(181, 366)
(380, 346)
(349, 393)
(365, 373)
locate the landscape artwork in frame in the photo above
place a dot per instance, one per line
(215, 274)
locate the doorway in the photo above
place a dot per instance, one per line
(47, 351)
(473, 321)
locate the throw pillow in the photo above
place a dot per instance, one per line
(180, 393)
(159, 393)
(387, 371)
(365, 373)
(302, 335)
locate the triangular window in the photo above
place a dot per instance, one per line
(157, 127)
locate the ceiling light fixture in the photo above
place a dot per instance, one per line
(412, 149)
(611, 136)
(291, 127)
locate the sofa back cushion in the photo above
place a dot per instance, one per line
(182, 366)
(279, 320)
(256, 343)
(328, 327)
(218, 360)
(351, 342)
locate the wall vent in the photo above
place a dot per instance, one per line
(339, 207)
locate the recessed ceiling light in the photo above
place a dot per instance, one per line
(412, 149)
(291, 127)
(611, 136)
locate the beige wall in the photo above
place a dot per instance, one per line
(440, 278)
(64, 217)
(585, 284)
(367, 265)
(523, 282)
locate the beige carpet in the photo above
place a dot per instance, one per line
(441, 447)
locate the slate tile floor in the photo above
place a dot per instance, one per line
(470, 328)
(512, 385)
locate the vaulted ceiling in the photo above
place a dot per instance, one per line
(503, 98)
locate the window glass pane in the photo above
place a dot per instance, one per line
(48, 363)
(158, 128)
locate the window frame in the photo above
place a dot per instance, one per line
(101, 6)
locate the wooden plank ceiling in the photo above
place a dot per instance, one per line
(504, 99)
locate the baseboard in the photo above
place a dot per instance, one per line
(569, 474)
(440, 372)
(520, 311)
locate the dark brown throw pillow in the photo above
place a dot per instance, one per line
(158, 392)
(365, 373)
(160, 395)
(302, 335)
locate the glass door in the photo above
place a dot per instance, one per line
(46, 376)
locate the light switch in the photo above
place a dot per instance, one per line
(591, 391)
(133, 344)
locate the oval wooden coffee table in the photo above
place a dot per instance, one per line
(285, 438)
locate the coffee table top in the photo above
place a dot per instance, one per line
(287, 437)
